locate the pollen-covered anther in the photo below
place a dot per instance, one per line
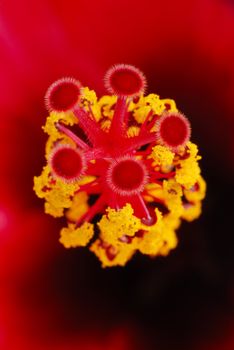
(125, 80)
(67, 163)
(127, 176)
(63, 95)
(173, 130)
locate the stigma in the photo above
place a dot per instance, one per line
(121, 168)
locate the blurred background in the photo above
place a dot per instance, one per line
(57, 299)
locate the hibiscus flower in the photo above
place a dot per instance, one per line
(51, 298)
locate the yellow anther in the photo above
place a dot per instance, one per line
(72, 237)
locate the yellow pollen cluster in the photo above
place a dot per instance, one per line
(149, 103)
(72, 237)
(188, 170)
(162, 156)
(117, 224)
(56, 193)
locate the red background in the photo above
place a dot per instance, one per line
(57, 299)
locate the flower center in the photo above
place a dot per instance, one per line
(67, 163)
(121, 169)
(127, 176)
(63, 95)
